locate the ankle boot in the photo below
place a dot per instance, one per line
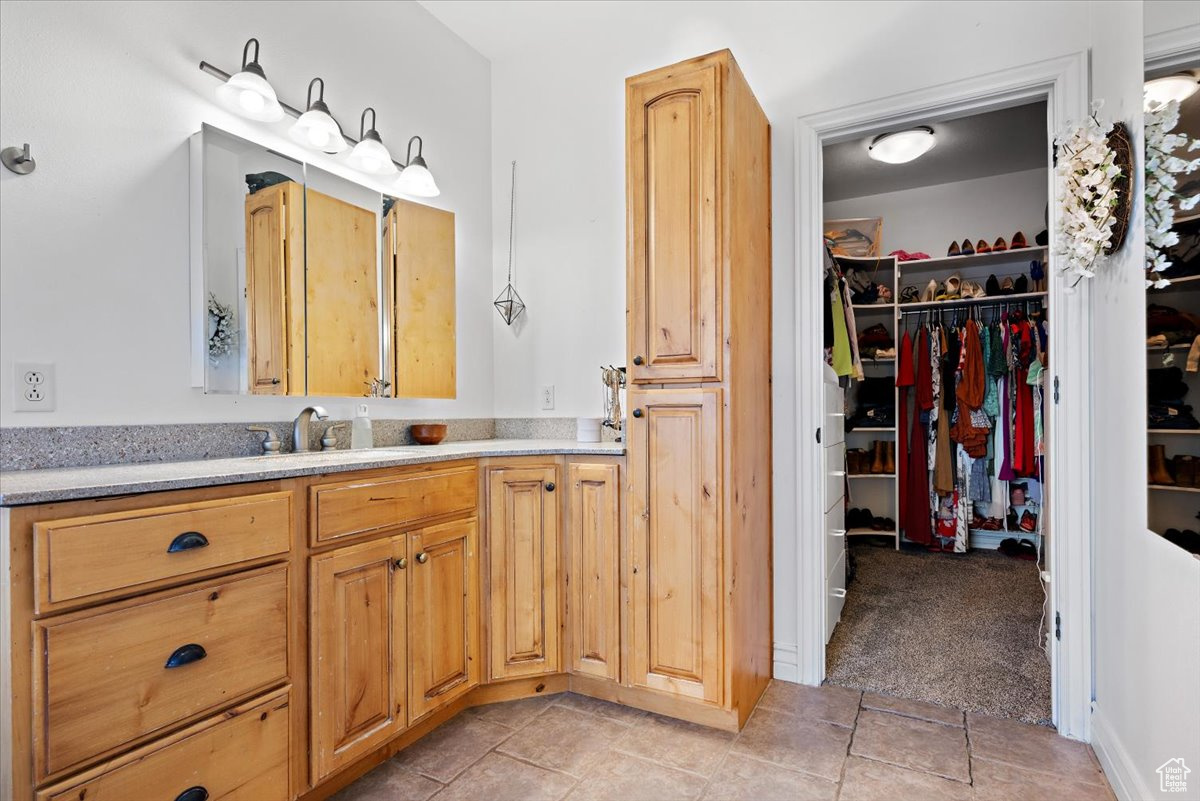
(877, 456)
(1158, 465)
(1184, 470)
(889, 457)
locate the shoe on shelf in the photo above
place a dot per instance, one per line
(992, 287)
(999, 246)
(953, 250)
(1021, 284)
(1018, 241)
(878, 450)
(982, 246)
(910, 294)
(967, 248)
(971, 289)
(1006, 286)
(889, 457)
(930, 291)
(1029, 521)
(953, 288)
(1183, 467)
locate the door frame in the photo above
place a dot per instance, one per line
(1063, 83)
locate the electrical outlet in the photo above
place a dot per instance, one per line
(548, 396)
(33, 387)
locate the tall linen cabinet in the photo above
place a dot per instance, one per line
(699, 336)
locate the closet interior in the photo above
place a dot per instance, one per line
(1173, 358)
(937, 330)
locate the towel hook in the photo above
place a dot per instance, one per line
(18, 160)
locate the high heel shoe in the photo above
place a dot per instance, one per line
(1000, 245)
(1018, 241)
(953, 250)
(967, 248)
(982, 246)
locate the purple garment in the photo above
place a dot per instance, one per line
(1006, 472)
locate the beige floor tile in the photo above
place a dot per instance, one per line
(514, 714)
(676, 744)
(1032, 748)
(741, 778)
(831, 704)
(995, 781)
(564, 739)
(910, 743)
(389, 782)
(812, 746)
(605, 709)
(876, 781)
(500, 778)
(946, 715)
(621, 777)
(452, 747)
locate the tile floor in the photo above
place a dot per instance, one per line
(801, 744)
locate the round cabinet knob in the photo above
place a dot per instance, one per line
(549, 486)
(275, 381)
(422, 558)
(401, 563)
(637, 412)
(638, 361)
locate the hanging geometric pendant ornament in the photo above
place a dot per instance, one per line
(508, 302)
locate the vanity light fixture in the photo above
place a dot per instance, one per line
(902, 147)
(416, 179)
(316, 128)
(369, 155)
(248, 93)
(1161, 91)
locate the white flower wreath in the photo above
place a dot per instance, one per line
(1084, 190)
(221, 333)
(1161, 196)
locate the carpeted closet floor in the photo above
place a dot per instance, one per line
(956, 630)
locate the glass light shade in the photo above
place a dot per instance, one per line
(371, 157)
(903, 146)
(316, 129)
(416, 180)
(250, 95)
(1161, 91)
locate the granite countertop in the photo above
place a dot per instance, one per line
(22, 487)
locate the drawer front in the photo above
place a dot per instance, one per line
(106, 679)
(835, 590)
(87, 556)
(351, 508)
(833, 430)
(835, 474)
(242, 755)
(835, 535)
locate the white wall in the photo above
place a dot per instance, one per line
(559, 109)
(94, 253)
(1146, 591)
(928, 218)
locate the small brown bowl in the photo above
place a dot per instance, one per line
(429, 433)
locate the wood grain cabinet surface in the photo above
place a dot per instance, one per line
(594, 549)
(274, 289)
(523, 571)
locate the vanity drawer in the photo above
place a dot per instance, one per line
(351, 508)
(81, 557)
(241, 754)
(111, 676)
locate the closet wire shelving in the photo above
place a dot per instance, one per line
(934, 310)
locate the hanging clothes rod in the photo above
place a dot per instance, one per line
(993, 301)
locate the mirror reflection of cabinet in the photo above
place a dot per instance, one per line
(274, 309)
(419, 273)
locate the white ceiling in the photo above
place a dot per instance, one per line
(994, 143)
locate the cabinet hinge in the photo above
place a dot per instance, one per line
(1055, 390)
(1057, 626)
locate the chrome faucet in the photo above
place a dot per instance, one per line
(300, 428)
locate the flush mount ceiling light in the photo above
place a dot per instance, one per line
(1161, 91)
(247, 93)
(316, 128)
(416, 179)
(369, 155)
(902, 147)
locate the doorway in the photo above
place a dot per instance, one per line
(1060, 85)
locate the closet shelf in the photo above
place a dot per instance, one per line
(1185, 279)
(871, 307)
(1154, 349)
(858, 532)
(1182, 431)
(1173, 488)
(872, 430)
(1017, 255)
(870, 475)
(963, 302)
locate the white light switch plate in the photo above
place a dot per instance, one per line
(33, 387)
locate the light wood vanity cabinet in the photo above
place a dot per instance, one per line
(523, 570)
(594, 557)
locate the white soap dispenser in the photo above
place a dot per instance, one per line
(360, 430)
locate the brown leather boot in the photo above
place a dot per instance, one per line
(1158, 465)
(854, 461)
(1184, 470)
(889, 457)
(877, 456)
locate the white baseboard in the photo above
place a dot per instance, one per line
(1119, 769)
(785, 667)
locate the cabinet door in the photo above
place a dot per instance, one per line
(358, 651)
(421, 255)
(674, 236)
(523, 620)
(266, 290)
(593, 578)
(443, 603)
(674, 460)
